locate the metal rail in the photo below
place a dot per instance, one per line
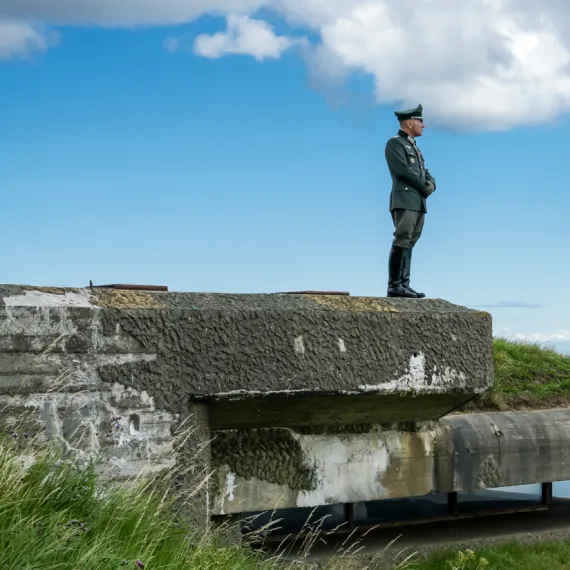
(453, 513)
(342, 293)
(126, 287)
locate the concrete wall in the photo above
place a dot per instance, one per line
(477, 451)
(270, 469)
(113, 375)
(264, 471)
(227, 346)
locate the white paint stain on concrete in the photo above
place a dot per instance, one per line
(43, 318)
(71, 397)
(341, 345)
(102, 428)
(414, 379)
(230, 486)
(120, 392)
(449, 377)
(348, 467)
(299, 345)
(252, 492)
(33, 298)
(416, 373)
(244, 392)
(228, 493)
(48, 329)
(36, 323)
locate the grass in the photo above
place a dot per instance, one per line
(513, 556)
(529, 368)
(527, 376)
(54, 515)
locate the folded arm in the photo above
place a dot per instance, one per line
(430, 178)
(398, 163)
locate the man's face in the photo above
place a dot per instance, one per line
(416, 127)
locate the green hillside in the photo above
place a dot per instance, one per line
(527, 376)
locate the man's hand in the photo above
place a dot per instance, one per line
(430, 189)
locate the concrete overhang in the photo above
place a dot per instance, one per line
(265, 359)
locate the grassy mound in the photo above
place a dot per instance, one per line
(527, 376)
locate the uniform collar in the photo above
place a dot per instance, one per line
(406, 136)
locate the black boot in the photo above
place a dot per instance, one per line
(395, 263)
(406, 266)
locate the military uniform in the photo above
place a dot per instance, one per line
(412, 184)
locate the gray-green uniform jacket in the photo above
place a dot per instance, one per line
(410, 176)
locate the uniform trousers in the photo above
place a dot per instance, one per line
(408, 227)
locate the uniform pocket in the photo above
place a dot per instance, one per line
(412, 158)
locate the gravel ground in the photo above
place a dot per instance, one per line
(421, 539)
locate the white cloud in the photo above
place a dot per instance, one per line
(510, 305)
(474, 64)
(243, 36)
(122, 12)
(19, 39)
(560, 336)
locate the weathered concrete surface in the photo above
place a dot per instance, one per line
(431, 354)
(116, 375)
(119, 426)
(270, 469)
(336, 399)
(477, 451)
(267, 469)
(194, 468)
(290, 410)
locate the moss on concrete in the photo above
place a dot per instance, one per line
(52, 290)
(125, 299)
(344, 303)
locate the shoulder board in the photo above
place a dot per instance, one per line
(401, 140)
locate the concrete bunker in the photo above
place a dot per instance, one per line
(294, 399)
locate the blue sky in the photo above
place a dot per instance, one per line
(238, 163)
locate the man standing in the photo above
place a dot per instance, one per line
(412, 184)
